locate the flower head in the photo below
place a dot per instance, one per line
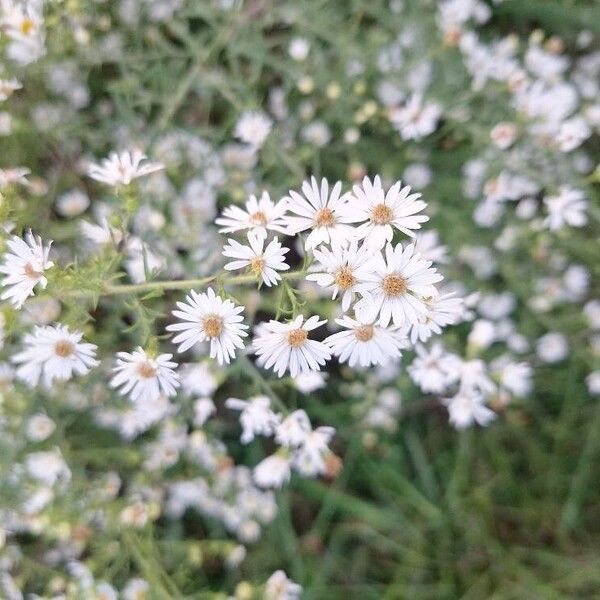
(144, 377)
(320, 211)
(283, 346)
(259, 216)
(54, 353)
(380, 212)
(263, 262)
(121, 168)
(24, 268)
(209, 318)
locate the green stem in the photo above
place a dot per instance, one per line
(177, 284)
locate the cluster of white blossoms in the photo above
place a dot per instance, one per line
(387, 290)
(23, 25)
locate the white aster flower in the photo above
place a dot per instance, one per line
(434, 369)
(440, 311)
(54, 353)
(259, 216)
(253, 128)
(24, 268)
(209, 318)
(283, 346)
(7, 87)
(467, 408)
(309, 459)
(398, 286)
(568, 207)
(322, 212)
(415, 119)
(292, 431)
(121, 168)
(365, 343)
(263, 262)
(256, 417)
(15, 175)
(279, 587)
(144, 377)
(381, 212)
(273, 471)
(342, 269)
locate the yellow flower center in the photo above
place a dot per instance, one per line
(344, 278)
(30, 272)
(26, 26)
(364, 333)
(324, 218)
(297, 337)
(64, 348)
(256, 265)
(394, 285)
(212, 326)
(381, 214)
(146, 370)
(258, 218)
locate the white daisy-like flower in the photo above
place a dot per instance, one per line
(24, 268)
(434, 369)
(263, 262)
(380, 211)
(568, 207)
(7, 87)
(144, 377)
(320, 211)
(256, 417)
(259, 216)
(342, 269)
(468, 408)
(14, 175)
(54, 353)
(273, 471)
(279, 587)
(415, 119)
(397, 286)
(283, 346)
(121, 168)
(253, 128)
(366, 343)
(209, 318)
(441, 311)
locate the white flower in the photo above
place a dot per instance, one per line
(568, 207)
(72, 203)
(292, 431)
(53, 352)
(273, 471)
(204, 408)
(122, 168)
(283, 346)
(143, 377)
(415, 120)
(7, 87)
(253, 128)
(365, 343)
(208, 318)
(48, 467)
(309, 458)
(467, 408)
(279, 587)
(592, 381)
(101, 234)
(434, 369)
(398, 286)
(299, 48)
(514, 377)
(263, 262)
(320, 211)
(573, 132)
(259, 216)
(197, 379)
(136, 589)
(39, 427)
(342, 269)
(441, 311)
(381, 212)
(256, 417)
(552, 347)
(310, 381)
(16, 175)
(24, 268)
